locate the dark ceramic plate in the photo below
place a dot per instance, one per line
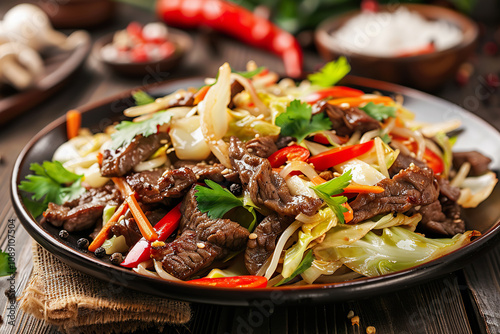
(59, 66)
(478, 134)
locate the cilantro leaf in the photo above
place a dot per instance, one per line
(305, 264)
(335, 186)
(141, 98)
(297, 122)
(251, 74)
(52, 183)
(331, 73)
(127, 130)
(7, 266)
(215, 200)
(379, 111)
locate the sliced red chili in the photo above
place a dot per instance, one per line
(233, 282)
(339, 155)
(289, 153)
(333, 92)
(434, 161)
(142, 249)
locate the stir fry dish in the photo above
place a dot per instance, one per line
(254, 181)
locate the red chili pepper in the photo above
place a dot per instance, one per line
(434, 161)
(289, 153)
(333, 92)
(236, 21)
(339, 155)
(232, 282)
(142, 249)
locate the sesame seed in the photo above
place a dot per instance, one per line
(200, 245)
(252, 236)
(158, 243)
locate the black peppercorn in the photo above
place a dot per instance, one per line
(236, 189)
(100, 252)
(116, 258)
(63, 234)
(82, 243)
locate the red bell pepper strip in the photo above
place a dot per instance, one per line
(289, 153)
(141, 251)
(236, 21)
(434, 161)
(339, 155)
(333, 93)
(232, 282)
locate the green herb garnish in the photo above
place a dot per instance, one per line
(379, 111)
(141, 98)
(331, 73)
(333, 187)
(305, 264)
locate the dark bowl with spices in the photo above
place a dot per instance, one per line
(423, 70)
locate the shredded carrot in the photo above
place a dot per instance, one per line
(356, 101)
(349, 215)
(200, 95)
(122, 185)
(142, 221)
(318, 180)
(73, 123)
(362, 189)
(103, 233)
(99, 158)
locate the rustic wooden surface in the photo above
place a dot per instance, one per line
(466, 301)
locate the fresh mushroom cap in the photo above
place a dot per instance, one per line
(19, 65)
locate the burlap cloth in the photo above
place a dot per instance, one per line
(79, 303)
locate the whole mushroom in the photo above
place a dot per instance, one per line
(19, 65)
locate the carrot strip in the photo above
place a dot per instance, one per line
(349, 215)
(142, 221)
(362, 189)
(200, 95)
(122, 185)
(73, 123)
(99, 158)
(103, 233)
(318, 180)
(356, 101)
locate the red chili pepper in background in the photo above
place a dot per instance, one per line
(142, 249)
(339, 155)
(333, 92)
(289, 153)
(233, 282)
(429, 48)
(237, 22)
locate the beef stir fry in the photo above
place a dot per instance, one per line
(254, 181)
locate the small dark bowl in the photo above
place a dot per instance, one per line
(427, 72)
(77, 13)
(182, 41)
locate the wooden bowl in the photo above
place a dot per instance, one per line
(182, 41)
(427, 72)
(77, 13)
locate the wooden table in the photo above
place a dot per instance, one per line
(466, 301)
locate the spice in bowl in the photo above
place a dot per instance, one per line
(137, 44)
(401, 33)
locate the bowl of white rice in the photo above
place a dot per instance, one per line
(416, 45)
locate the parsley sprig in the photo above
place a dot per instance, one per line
(216, 201)
(379, 111)
(335, 186)
(7, 266)
(52, 183)
(127, 130)
(331, 73)
(297, 121)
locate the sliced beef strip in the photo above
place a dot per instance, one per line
(262, 146)
(411, 187)
(145, 184)
(259, 249)
(176, 182)
(84, 211)
(267, 187)
(345, 121)
(443, 216)
(215, 172)
(478, 162)
(284, 141)
(122, 161)
(182, 258)
(404, 161)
